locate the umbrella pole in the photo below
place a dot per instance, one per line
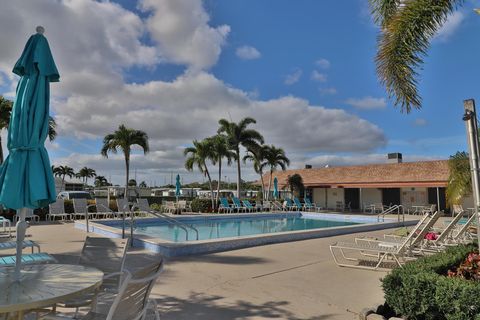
(21, 227)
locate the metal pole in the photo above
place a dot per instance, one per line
(438, 199)
(470, 119)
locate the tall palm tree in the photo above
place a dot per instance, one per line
(460, 181)
(5, 115)
(124, 138)
(274, 158)
(100, 181)
(407, 27)
(295, 183)
(257, 156)
(86, 173)
(220, 150)
(198, 155)
(63, 171)
(238, 135)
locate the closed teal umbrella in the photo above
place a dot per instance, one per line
(178, 186)
(26, 179)
(275, 188)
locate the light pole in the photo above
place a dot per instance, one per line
(470, 118)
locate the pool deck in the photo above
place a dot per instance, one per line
(293, 280)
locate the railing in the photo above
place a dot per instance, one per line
(185, 227)
(398, 208)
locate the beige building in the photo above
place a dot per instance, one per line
(409, 184)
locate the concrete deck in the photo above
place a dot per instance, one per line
(295, 280)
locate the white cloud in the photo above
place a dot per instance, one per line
(450, 26)
(247, 53)
(182, 32)
(93, 97)
(317, 76)
(420, 122)
(294, 77)
(322, 63)
(367, 103)
(328, 91)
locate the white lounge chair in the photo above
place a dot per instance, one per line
(57, 210)
(29, 216)
(103, 208)
(123, 208)
(131, 303)
(80, 209)
(382, 250)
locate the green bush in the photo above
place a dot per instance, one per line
(201, 205)
(156, 207)
(421, 291)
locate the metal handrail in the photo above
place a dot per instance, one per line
(169, 219)
(397, 207)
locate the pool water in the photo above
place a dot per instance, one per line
(232, 227)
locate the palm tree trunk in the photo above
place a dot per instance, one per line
(239, 174)
(127, 167)
(219, 180)
(1, 151)
(211, 186)
(263, 185)
(63, 182)
(269, 184)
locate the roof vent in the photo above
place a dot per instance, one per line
(395, 157)
(308, 166)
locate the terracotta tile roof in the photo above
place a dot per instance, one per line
(414, 174)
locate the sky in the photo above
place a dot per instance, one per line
(304, 70)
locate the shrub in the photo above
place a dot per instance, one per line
(421, 291)
(201, 205)
(156, 207)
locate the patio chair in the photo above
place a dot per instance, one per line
(298, 205)
(80, 208)
(463, 236)
(7, 245)
(348, 207)
(6, 223)
(224, 206)
(238, 205)
(57, 210)
(29, 216)
(311, 206)
(106, 254)
(170, 207)
(279, 206)
(445, 236)
(429, 209)
(34, 258)
(249, 206)
(123, 208)
(130, 303)
(103, 208)
(288, 204)
(381, 250)
(182, 205)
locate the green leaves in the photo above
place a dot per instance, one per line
(124, 138)
(407, 29)
(459, 181)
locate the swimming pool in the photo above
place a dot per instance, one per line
(223, 232)
(238, 227)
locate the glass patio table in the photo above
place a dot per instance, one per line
(43, 286)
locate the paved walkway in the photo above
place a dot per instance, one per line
(295, 280)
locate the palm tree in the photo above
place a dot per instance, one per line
(124, 138)
(100, 181)
(5, 115)
(407, 27)
(86, 173)
(198, 156)
(63, 171)
(239, 135)
(275, 157)
(460, 181)
(295, 183)
(257, 156)
(220, 150)
(143, 184)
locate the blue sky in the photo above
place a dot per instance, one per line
(304, 69)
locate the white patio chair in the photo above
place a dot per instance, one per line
(103, 208)
(123, 208)
(29, 216)
(131, 303)
(80, 209)
(57, 210)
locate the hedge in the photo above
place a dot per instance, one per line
(201, 205)
(422, 291)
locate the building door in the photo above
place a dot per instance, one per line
(390, 196)
(432, 197)
(352, 196)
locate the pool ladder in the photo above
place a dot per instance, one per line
(170, 220)
(398, 207)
